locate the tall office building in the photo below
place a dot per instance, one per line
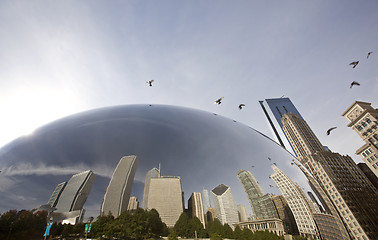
(116, 198)
(153, 173)
(224, 204)
(133, 204)
(261, 204)
(297, 203)
(285, 214)
(363, 119)
(56, 194)
(338, 176)
(243, 217)
(76, 192)
(206, 200)
(195, 207)
(165, 195)
(369, 174)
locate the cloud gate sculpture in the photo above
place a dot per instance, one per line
(203, 148)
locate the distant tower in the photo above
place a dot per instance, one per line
(195, 207)
(76, 192)
(56, 194)
(133, 204)
(206, 200)
(285, 214)
(338, 176)
(116, 198)
(225, 207)
(243, 217)
(261, 204)
(363, 119)
(165, 195)
(153, 173)
(298, 205)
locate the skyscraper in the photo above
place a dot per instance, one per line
(206, 200)
(261, 204)
(363, 119)
(195, 207)
(56, 194)
(116, 198)
(133, 204)
(165, 195)
(285, 214)
(339, 176)
(243, 217)
(76, 192)
(153, 173)
(224, 204)
(297, 203)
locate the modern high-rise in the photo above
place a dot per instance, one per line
(76, 192)
(338, 176)
(363, 119)
(153, 173)
(224, 204)
(116, 198)
(297, 203)
(133, 204)
(165, 195)
(369, 174)
(56, 194)
(195, 207)
(206, 200)
(261, 204)
(243, 217)
(285, 214)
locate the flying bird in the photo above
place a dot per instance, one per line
(292, 163)
(241, 106)
(253, 166)
(369, 54)
(275, 164)
(355, 63)
(354, 83)
(329, 130)
(219, 101)
(150, 82)
(271, 185)
(269, 159)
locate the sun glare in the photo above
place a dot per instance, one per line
(25, 110)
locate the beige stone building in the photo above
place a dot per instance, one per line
(350, 191)
(195, 207)
(363, 119)
(133, 204)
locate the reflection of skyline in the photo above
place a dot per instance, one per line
(99, 138)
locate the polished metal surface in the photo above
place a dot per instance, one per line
(203, 148)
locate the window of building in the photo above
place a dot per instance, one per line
(363, 124)
(359, 128)
(368, 120)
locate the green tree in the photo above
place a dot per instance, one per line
(195, 225)
(214, 227)
(172, 235)
(238, 233)
(227, 231)
(181, 227)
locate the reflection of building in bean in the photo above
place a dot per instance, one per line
(224, 204)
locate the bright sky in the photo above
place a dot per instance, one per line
(62, 57)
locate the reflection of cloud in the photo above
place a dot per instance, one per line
(25, 169)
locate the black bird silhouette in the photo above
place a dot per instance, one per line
(219, 101)
(329, 130)
(271, 185)
(241, 106)
(369, 53)
(292, 163)
(269, 159)
(355, 63)
(253, 166)
(150, 82)
(354, 83)
(275, 164)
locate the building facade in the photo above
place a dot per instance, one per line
(224, 204)
(153, 173)
(242, 212)
(133, 204)
(338, 176)
(56, 194)
(195, 207)
(297, 203)
(206, 200)
(273, 225)
(363, 119)
(76, 192)
(261, 204)
(285, 214)
(165, 195)
(116, 198)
